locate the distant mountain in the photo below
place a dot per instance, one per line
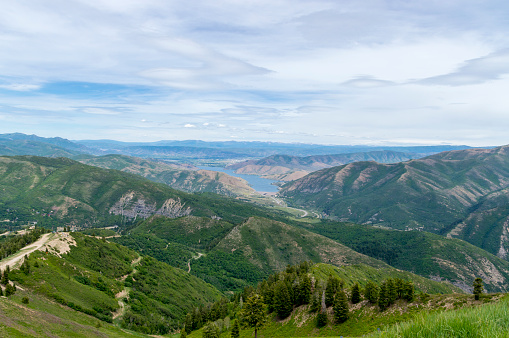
(288, 168)
(36, 148)
(177, 176)
(458, 193)
(31, 143)
(246, 149)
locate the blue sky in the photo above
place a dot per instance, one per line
(332, 72)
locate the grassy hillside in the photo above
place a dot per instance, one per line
(288, 168)
(485, 321)
(62, 191)
(44, 318)
(423, 253)
(231, 257)
(364, 317)
(111, 282)
(447, 193)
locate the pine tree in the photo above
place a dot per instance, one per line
(371, 292)
(383, 300)
(321, 318)
(5, 276)
(315, 303)
(392, 293)
(253, 313)
(478, 288)
(283, 304)
(235, 329)
(341, 310)
(332, 287)
(183, 333)
(409, 291)
(210, 331)
(9, 290)
(356, 294)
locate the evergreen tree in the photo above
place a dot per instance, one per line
(321, 318)
(183, 333)
(5, 276)
(9, 290)
(383, 300)
(409, 291)
(340, 307)
(283, 304)
(210, 331)
(400, 287)
(478, 288)
(332, 287)
(253, 313)
(392, 293)
(371, 292)
(235, 329)
(1, 293)
(356, 294)
(315, 303)
(303, 290)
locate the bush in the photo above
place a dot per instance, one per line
(25, 300)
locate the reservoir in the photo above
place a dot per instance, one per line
(256, 182)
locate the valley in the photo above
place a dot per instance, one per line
(139, 243)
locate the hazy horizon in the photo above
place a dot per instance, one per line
(377, 72)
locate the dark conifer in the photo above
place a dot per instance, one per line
(371, 292)
(332, 287)
(283, 304)
(341, 310)
(478, 288)
(235, 329)
(356, 294)
(383, 300)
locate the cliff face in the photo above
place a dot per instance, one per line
(132, 207)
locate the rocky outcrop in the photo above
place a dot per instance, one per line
(131, 206)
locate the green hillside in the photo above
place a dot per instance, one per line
(423, 253)
(63, 191)
(232, 257)
(114, 284)
(307, 283)
(176, 176)
(460, 193)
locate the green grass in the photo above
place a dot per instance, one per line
(489, 321)
(45, 318)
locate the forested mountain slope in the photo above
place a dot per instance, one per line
(63, 191)
(458, 193)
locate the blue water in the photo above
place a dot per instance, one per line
(256, 182)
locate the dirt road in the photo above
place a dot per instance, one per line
(14, 261)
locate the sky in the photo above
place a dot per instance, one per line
(370, 72)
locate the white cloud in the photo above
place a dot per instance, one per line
(334, 71)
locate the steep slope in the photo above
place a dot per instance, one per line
(176, 176)
(62, 191)
(97, 278)
(287, 168)
(435, 193)
(423, 253)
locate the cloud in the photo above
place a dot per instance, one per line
(20, 87)
(475, 71)
(189, 125)
(366, 81)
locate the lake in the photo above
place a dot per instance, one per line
(256, 182)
